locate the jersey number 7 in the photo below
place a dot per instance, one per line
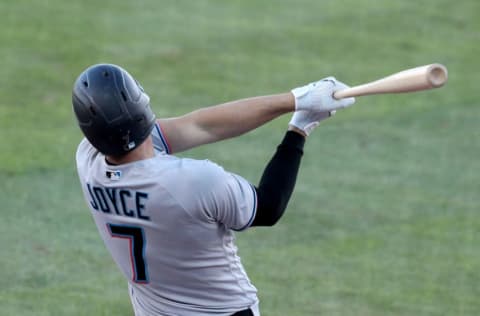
(136, 238)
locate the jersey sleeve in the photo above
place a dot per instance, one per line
(160, 142)
(234, 200)
(210, 194)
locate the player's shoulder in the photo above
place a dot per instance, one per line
(199, 173)
(85, 152)
(85, 148)
(203, 167)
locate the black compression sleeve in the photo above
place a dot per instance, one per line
(278, 180)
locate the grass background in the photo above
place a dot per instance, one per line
(384, 219)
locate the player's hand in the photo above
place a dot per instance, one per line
(306, 121)
(318, 96)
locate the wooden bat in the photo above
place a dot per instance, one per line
(410, 80)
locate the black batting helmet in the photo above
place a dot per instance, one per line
(112, 109)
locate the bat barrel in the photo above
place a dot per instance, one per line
(410, 80)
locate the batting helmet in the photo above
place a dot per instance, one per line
(112, 109)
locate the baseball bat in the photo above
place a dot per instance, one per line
(410, 80)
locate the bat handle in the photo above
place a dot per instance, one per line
(341, 94)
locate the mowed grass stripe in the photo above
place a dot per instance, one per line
(384, 217)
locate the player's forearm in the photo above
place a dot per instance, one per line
(238, 117)
(215, 123)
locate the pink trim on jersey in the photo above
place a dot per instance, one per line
(130, 248)
(162, 135)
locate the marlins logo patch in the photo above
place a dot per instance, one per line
(113, 174)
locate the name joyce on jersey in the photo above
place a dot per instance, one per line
(116, 201)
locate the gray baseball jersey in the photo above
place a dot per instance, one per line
(167, 222)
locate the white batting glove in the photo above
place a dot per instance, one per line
(306, 121)
(318, 96)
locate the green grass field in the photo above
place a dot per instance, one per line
(384, 219)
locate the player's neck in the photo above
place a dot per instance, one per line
(144, 151)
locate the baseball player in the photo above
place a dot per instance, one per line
(169, 222)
